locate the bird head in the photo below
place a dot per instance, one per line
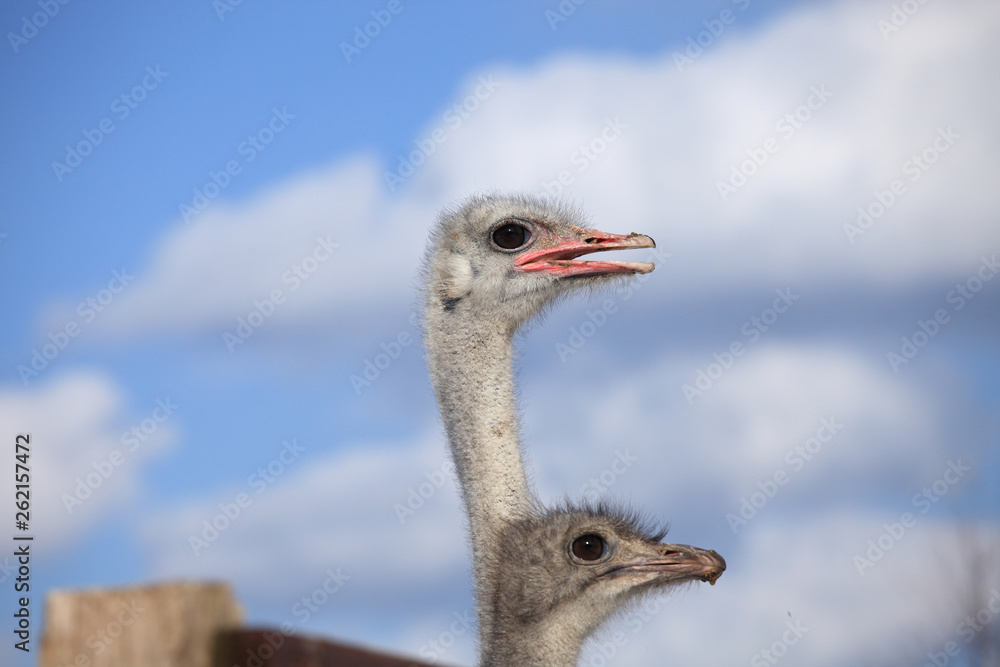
(509, 256)
(575, 567)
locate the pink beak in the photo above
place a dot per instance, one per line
(560, 260)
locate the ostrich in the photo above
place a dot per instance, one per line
(492, 265)
(557, 576)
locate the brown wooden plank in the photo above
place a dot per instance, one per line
(261, 647)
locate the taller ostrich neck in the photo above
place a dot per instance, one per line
(470, 365)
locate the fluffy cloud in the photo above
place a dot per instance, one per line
(794, 558)
(344, 511)
(386, 514)
(662, 140)
(757, 418)
(801, 575)
(838, 110)
(86, 457)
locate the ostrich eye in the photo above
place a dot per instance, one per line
(589, 547)
(511, 236)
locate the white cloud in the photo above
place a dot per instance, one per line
(86, 455)
(355, 509)
(710, 453)
(682, 133)
(212, 271)
(336, 514)
(340, 510)
(384, 516)
(795, 556)
(802, 573)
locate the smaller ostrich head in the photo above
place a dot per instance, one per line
(560, 575)
(504, 257)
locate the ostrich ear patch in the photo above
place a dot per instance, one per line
(456, 278)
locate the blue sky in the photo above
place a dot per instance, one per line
(748, 158)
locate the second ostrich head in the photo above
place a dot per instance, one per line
(558, 575)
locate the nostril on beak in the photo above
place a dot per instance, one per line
(670, 552)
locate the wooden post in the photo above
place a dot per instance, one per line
(166, 625)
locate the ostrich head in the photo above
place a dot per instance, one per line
(559, 575)
(506, 257)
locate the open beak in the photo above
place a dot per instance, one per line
(560, 260)
(675, 562)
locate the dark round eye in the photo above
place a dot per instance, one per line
(589, 547)
(511, 236)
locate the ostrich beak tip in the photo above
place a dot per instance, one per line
(675, 563)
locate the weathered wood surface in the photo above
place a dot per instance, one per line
(167, 625)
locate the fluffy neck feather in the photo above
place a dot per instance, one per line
(469, 359)
(549, 644)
